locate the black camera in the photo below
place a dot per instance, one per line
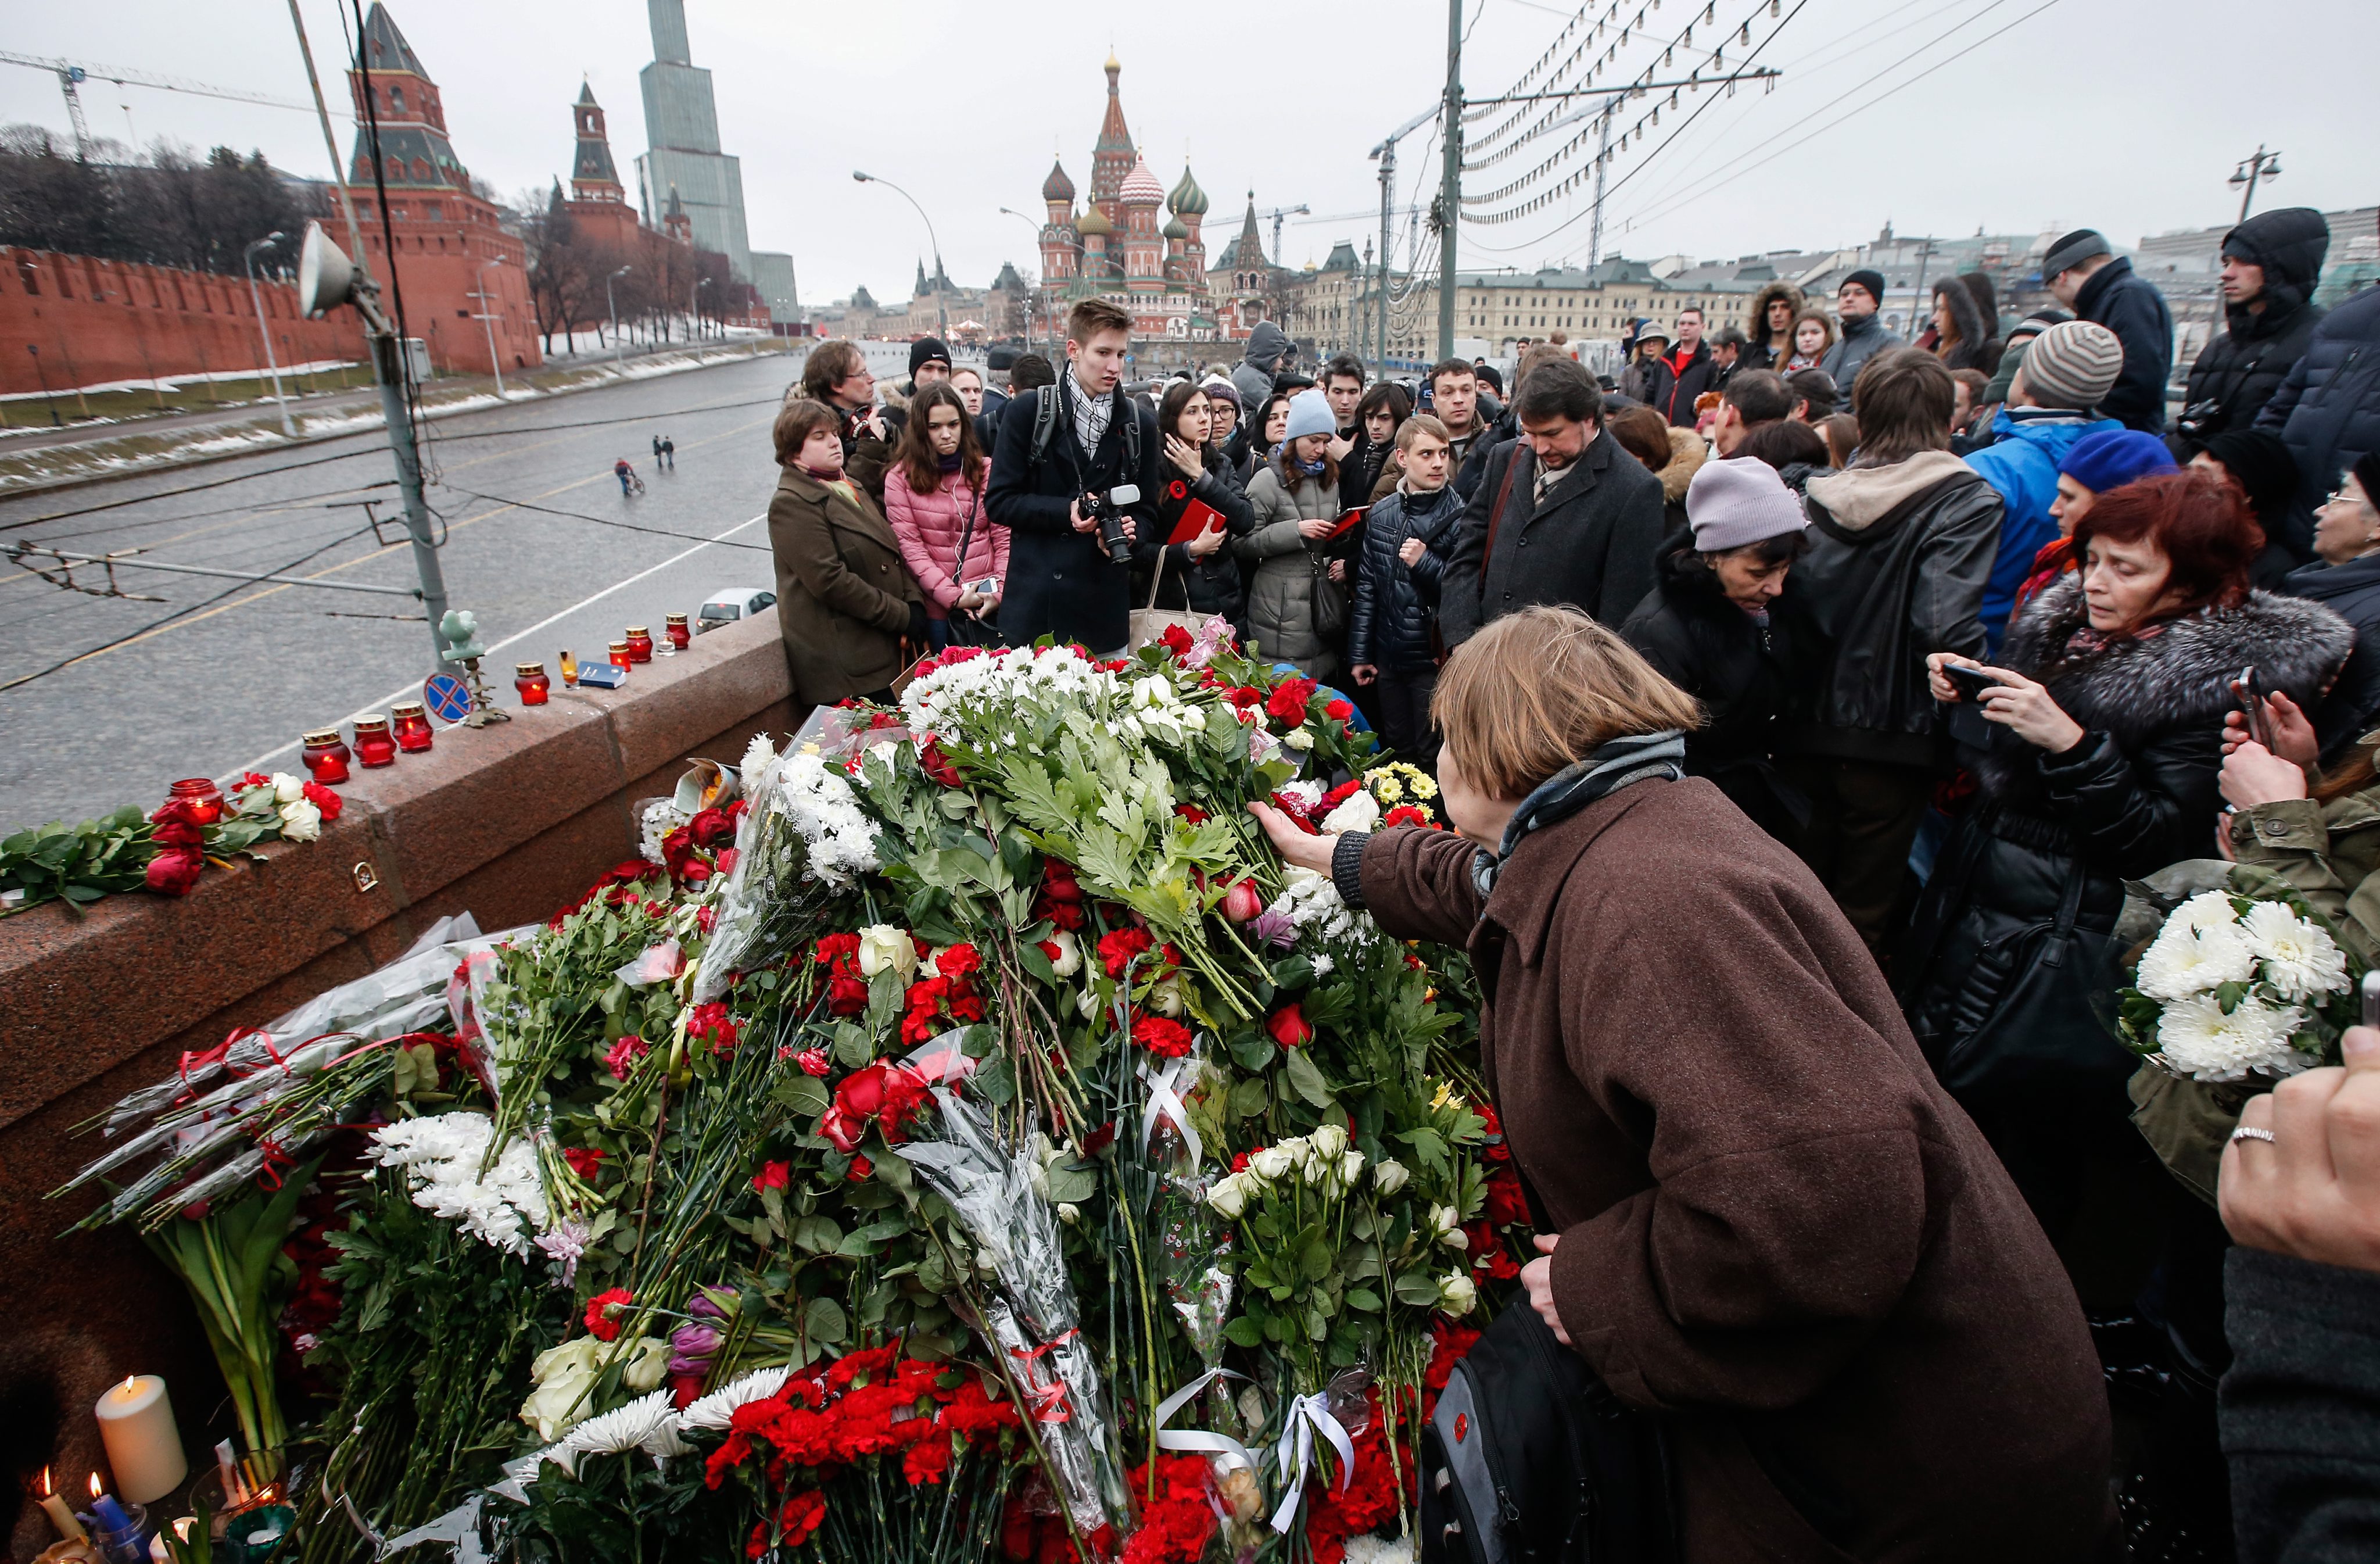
(2202, 421)
(1107, 509)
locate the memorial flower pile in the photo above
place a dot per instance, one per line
(966, 1141)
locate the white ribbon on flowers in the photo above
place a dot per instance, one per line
(1198, 1439)
(1306, 1415)
(1165, 1097)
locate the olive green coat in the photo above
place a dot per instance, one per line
(842, 593)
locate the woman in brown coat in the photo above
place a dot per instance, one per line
(1766, 1221)
(852, 615)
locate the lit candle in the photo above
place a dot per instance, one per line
(61, 1515)
(144, 1449)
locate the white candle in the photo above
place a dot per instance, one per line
(62, 1515)
(144, 1449)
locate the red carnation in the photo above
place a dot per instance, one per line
(322, 798)
(800, 1517)
(1289, 1027)
(710, 1022)
(1117, 948)
(773, 1176)
(812, 1060)
(585, 1161)
(1407, 814)
(624, 1054)
(958, 962)
(600, 1322)
(1289, 700)
(1166, 1039)
(1058, 882)
(1190, 812)
(1506, 1203)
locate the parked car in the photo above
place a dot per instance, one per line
(733, 603)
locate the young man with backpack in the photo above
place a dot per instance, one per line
(1391, 633)
(1059, 450)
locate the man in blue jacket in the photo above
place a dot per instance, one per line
(2087, 277)
(2067, 372)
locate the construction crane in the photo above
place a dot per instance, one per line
(71, 74)
(1279, 214)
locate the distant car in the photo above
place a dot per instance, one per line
(734, 602)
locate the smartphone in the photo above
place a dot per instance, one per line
(2372, 998)
(1970, 683)
(2249, 690)
(987, 587)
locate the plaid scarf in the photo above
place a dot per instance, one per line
(1091, 415)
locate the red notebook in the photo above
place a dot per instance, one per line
(1347, 524)
(1196, 517)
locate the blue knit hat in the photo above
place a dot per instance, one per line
(1309, 413)
(2113, 457)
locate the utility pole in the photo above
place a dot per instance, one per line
(1602, 163)
(488, 319)
(1449, 195)
(1386, 152)
(612, 308)
(2263, 164)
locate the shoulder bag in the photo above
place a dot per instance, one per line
(969, 628)
(1150, 623)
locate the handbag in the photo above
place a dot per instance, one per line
(1151, 623)
(1328, 600)
(969, 628)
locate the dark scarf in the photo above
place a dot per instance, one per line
(1613, 766)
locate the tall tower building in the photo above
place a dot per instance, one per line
(682, 124)
(1112, 156)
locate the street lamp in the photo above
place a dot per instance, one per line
(941, 315)
(2263, 164)
(488, 319)
(693, 305)
(55, 421)
(1045, 282)
(613, 308)
(247, 264)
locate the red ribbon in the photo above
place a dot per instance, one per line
(1047, 1402)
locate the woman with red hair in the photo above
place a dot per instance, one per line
(2099, 764)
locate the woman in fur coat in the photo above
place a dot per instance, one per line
(2105, 738)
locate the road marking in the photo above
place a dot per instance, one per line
(403, 689)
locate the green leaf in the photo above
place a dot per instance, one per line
(1072, 1185)
(818, 1234)
(1305, 1077)
(1244, 1332)
(823, 1321)
(1250, 1097)
(1294, 973)
(803, 1092)
(1419, 1288)
(1314, 1260)
(1364, 1299)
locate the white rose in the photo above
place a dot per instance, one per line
(562, 1375)
(1167, 998)
(1448, 1224)
(1228, 1196)
(1358, 812)
(1390, 1175)
(1069, 960)
(1069, 1214)
(1271, 1163)
(286, 789)
(1087, 1004)
(881, 947)
(1456, 1295)
(646, 1363)
(301, 822)
(1351, 1168)
(1298, 738)
(1328, 1141)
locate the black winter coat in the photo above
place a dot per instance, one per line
(2352, 592)
(1673, 390)
(2328, 410)
(1899, 558)
(1212, 585)
(1390, 624)
(2237, 372)
(1590, 543)
(1754, 681)
(2131, 306)
(2137, 794)
(1061, 583)
(2301, 1409)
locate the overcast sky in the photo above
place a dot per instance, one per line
(2124, 115)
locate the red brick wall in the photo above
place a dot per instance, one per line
(100, 321)
(443, 238)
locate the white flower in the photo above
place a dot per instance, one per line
(643, 1421)
(1271, 1162)
(1069, 960)
(1390, 1175)
(1070, 1214)
(1328, 1141)
(286, 789)
(442, 1158)
(819, 802)
(562, 1376)
(1307, 793)
(1168, 999)
(646, 1362)
(1228, 1196)
(2300, 960)
(2207, 909)
(661, 818)
(716, 1410)
(1298, 738)
(1445, 1224)
(882, 946)
(301, 822)
(2183, 961)
(1358, 812)
(2196, 1039)
(1351, 1170)
(757, 755)
(1456, 1295)
(1321, 964)
(1087, 1004)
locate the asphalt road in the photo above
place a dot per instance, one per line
(540, 543)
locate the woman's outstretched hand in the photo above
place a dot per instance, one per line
(1291, 842)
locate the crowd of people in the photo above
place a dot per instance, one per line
(1952, 636)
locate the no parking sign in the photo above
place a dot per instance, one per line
(447, 696)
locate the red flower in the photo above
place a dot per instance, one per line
(322, 798)
(1337, 796)
(1289, 700)
(927, 1461)
(773, 1176)
(585, 1161)
(1496, 1151)
(1117, 948)
(861, 1169)
(799, 1518)
(1242, 901)
(708, 826)
(175, 871)
(1245, 697)
(624, 1054)
(1176, 1526)
(1488, 1252)
(1289, 1027)
(1408, 815)
(1288, 805)
(1506, 1202)
(1240, 1161)
(1058, 882)
(1176, 640)
(1190, 812)
(890, 1094)
(710, 1022)
(1339, 711)
(959, 962)
(600, 1322)
(812, 1060)
(937, 766)
(1166, 1039)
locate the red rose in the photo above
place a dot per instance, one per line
(585, 1161)
(1288, 1026)
(1339, 711)
(322, 798)
(1166, 1039)
(1117, 949)
(1058, 882)
(1176, 640)
(773, 1176)
(1407, 814)
(176, 870)
(600, 1308)
(937, 766)
(1190, 812)
(861, 1169)
(1289, 700)
(709, 826)
(812, 1060)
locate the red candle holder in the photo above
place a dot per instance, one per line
(620, 658)
(680, 633)
(326, 756)
(640, 644)
(374, 746)
(410, 723)
(206, 800)
(530, 680)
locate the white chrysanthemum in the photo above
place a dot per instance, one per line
(2196, 1039)
(756, 754)
(2207, 909)
(1312, 904)
(2183, 961)
(716, 1410)
(643, 1422)
(2300, 959)
(819, 801)
(661, 817)
(441, 1157)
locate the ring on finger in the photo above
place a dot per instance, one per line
(2250, 1132)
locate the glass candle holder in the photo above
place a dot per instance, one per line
(257, 1480)
(375, 745)
(410, 723)
(640, 644)
(680, 633)
(530, 680)
(620, 658)
(569, 668)
(326, 756)
(206, 800)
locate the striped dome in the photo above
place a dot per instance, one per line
(1093, 221)
(1140, 187)
(1187, 199)
(1057, 187)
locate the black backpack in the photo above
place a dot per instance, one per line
(1045, 430)
(1529, 1459)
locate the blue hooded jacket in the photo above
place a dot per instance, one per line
(2021, 463)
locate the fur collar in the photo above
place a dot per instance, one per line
(1687, 453)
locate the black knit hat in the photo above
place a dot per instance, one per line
(2074, 250)
(2367, 472)
(1867, 278)
(929, 351)
(2260, 461)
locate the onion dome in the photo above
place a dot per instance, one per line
(1175, 228)
(1057, 187)
(1140, 187)
(1093, 221)
(1187, 200)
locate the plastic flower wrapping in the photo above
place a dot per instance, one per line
(956, 1135)
(2240, 985)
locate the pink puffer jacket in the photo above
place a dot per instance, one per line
(928, 527)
